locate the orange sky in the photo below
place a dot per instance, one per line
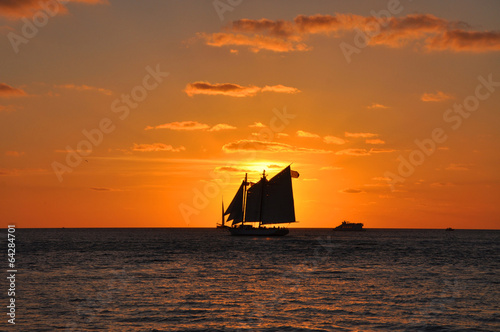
(148, 113)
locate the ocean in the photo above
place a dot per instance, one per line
(206, 280)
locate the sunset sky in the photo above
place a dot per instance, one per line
(148, 113)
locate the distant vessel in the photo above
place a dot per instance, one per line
(449, 229)
(349, 226)
(222, 224)
(263, 203)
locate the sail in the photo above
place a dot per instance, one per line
(254, 201)
(235, 209)
(278, 205)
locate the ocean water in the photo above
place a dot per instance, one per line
(207, 280)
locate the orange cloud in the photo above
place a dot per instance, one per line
(7, 108)
(262, 146)
(353, 152)
(277, 28)
(376, 105)
(465, 41)
(351, 191)
(232, 169)
(334, 140)
(191, 125)
(306, 134)
(7, 91)
(22, 171)
(84, 87)
(255, 43)
(362, 152)
(373, 150)
(221, 126)
(457, 167)
(183, 125)
(156, 147)
(102, 189)
(438, 96)
(14, 153)
(16, 9)
(374, 141)
(257, 125)
(286, 36)
(364, 135)
(233, 90)
(279, 89)
(398, 31)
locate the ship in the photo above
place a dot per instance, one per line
(257, 206)
(222, 225)
(349, 227)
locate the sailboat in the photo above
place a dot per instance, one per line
(264, 203)
(222, 224)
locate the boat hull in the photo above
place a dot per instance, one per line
(258, 231)
(349, 227)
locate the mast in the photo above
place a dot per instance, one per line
(222, 211)
(262, 196)
(244, 203)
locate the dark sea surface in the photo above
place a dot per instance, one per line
(207, 280)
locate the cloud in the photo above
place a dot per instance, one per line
(351, 191)
(274, 166)
(191, 126)
(373, 150)
(442, 184)
(429, 31)
(465, 41)
(334, 140)
(22, 171)
(7, 91)
(16, 9)
(182, 125)
(14, 153)
(281, 135)
(363, 135)
(381, 178)
(353, 152)
(362, 152)
(457, 167)
(264, 146)
(279, 89)
(104, 189)
(221, 126)
(374, 141)
(438, 96)
(376, 106)
(232, 169)
(330, 168)
(84, 87)
(7, 108)
(279, 28)
(302, 133)
(233, 90)
(256, 43)
(257, 125)
(156, 147)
